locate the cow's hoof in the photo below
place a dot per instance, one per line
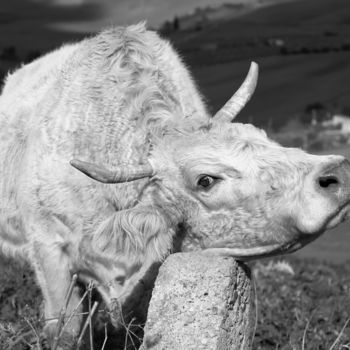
(116, 313)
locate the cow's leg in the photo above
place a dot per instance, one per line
(52, 267)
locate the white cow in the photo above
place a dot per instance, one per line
(124, 100)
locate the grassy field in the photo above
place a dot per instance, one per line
(302, 304)
(287, 84)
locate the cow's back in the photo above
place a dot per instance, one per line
(95, 100)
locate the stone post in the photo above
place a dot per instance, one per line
(200, 301)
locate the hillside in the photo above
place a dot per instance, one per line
(286, 84)
(302, 48)
(295, 18)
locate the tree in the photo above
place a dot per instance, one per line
(315, 113)
(176, 23)
(9, 53)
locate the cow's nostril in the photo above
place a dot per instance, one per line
(328, 181)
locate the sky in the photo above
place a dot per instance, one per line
(130, 11)
(92, 15)
(46, 24)
(43, 25)
(26, 24)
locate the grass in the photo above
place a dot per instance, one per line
(22, 320)
(302, 304)
(306, 307)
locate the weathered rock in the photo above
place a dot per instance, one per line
(200, 302)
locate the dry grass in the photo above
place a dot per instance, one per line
(301, 305)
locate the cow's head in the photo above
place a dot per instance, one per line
(236, 191)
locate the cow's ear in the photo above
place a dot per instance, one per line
(137, 232)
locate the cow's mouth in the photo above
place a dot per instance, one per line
(246, 254)
(292, 241)
(341, 215)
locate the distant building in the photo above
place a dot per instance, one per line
(339, 120)
(334, 132)
(328, 134)
(276, 42)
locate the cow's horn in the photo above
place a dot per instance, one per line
(236, 103)
(122, 174)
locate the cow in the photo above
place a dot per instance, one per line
(110, 157)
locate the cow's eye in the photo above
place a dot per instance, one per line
(205, 181)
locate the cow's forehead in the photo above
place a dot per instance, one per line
(239, 130)
(237, 133)
(220, 137)
(238, 145)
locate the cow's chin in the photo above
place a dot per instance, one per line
(268, 250)
(296, 241)
(277, 241)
